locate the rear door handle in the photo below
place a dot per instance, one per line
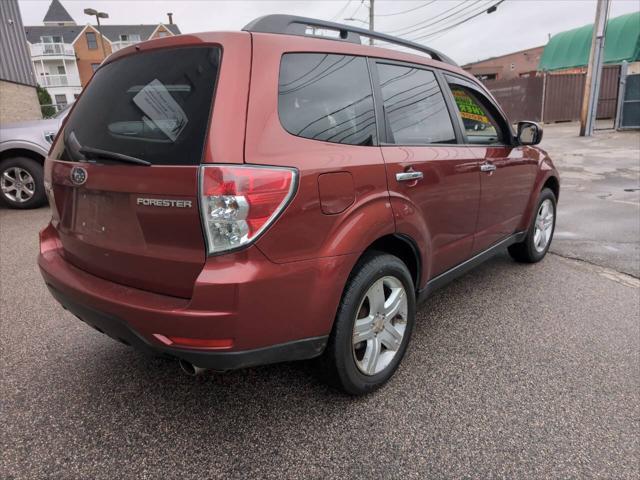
(487, 167)
(409, 176)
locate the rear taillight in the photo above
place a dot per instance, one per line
(238, 203)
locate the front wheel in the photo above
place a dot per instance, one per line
(22, 183)
(536, 244)
(373, 325)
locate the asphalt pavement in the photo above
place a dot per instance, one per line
(514, 371)
(599, 208)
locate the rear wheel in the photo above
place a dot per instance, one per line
(373, 325)
(536, 244)
(22, 183)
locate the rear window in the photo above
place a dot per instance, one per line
(153, 106)
(327, 97)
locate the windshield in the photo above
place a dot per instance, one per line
(151, 106)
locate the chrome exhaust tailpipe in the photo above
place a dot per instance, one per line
(190, 369)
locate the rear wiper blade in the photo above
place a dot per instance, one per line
(97, 153)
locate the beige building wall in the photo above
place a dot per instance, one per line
(18, 103)
(160, 31)
(634, 68)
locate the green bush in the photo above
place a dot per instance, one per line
(45, 102)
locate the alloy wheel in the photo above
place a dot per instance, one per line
(543, 228)
(380, 325)
(17, 184)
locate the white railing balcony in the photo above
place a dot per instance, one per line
(54, 80)
(52, 49)
(115, 46)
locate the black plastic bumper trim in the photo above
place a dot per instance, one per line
(119, 330)
(459, 270)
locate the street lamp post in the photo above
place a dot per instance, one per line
(95, 13)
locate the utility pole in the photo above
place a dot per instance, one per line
(371, 17)
(594, 70)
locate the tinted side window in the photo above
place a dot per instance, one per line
(479, 126)
(327, 97)
(414, 106)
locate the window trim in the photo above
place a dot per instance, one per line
(459, 136)
(377, 117)
(501, 117)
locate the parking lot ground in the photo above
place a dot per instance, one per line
(599, 208)
(514, 371)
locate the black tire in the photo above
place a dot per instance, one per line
(339, 362)
(526, 251)
(35, 170)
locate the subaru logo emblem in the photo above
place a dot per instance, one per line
(78, 175)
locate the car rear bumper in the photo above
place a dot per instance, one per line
(222, 361)
(270, 312)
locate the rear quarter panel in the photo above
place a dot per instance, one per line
(304, 231)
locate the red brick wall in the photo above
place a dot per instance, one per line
(525, 61)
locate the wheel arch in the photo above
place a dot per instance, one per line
(403, 247)
(553, 184)
(22, 152)
(551, 181)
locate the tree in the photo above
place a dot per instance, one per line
(48, 110)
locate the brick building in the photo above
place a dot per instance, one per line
(523, 63)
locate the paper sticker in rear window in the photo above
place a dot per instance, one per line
(160, 107)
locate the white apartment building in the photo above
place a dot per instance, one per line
(65, 55)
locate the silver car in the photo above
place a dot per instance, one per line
(23, 148)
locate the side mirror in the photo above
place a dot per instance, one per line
(529, 133)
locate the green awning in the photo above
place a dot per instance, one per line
(570, 49)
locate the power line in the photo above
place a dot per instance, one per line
(353, 15)
(405, 11)
(342, 10)
(453, 16)
(475, 14)
(425, 22)
(460, 12)
(449, 27)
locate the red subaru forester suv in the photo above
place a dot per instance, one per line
(282, 193)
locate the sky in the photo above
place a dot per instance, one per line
(515, 25)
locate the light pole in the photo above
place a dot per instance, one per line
(95, 13)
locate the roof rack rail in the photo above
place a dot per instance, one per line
(294, 25)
